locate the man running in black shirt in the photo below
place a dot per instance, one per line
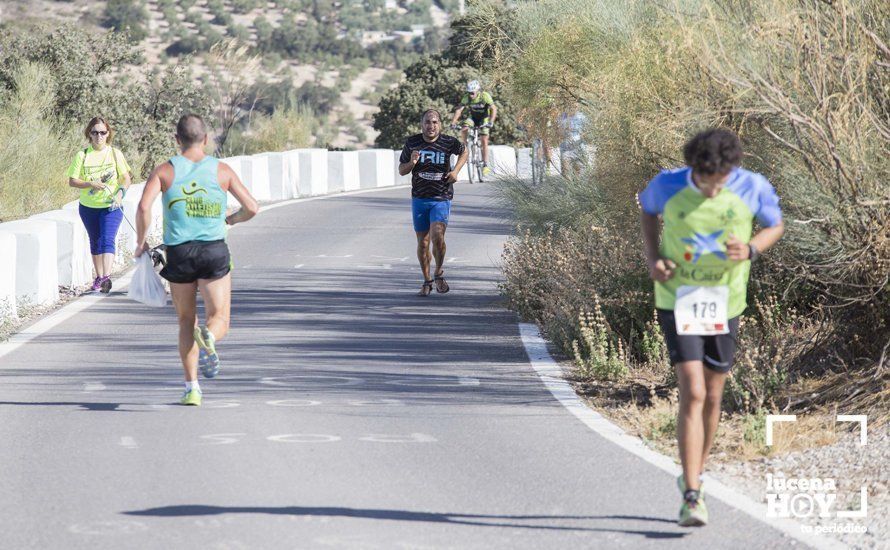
(428, 157)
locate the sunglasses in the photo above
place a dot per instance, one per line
(98, 133)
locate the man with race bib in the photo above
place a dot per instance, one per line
(427, 157)
(701, 274)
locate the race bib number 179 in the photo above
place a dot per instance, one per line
(702, 310)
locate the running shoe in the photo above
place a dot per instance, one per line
(191, 397)
(681, 483)
(208, 360)
(693, 513)
(105, 284)
(97, 284)
(486, 171)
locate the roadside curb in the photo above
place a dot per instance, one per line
(551, 375)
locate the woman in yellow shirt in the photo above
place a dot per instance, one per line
(103, 175)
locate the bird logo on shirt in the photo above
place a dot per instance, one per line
(704, 244)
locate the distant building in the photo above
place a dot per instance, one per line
(375, 37)
(416, 31)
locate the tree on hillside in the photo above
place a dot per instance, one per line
(230, 68)
(128, 16)
(438, 81)
(142, 109)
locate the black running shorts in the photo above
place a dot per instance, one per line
(193, 260)
(716, 352)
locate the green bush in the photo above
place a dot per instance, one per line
(128, 16)
(288, 128)
(142, 107)
(244, 6)
(805, 85)
(33, 163)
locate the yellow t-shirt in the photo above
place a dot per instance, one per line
(104, 165)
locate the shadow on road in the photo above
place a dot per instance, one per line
(480, 520)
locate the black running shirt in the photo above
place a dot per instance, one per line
(428, 175)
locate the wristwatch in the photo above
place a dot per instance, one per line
(753, 253)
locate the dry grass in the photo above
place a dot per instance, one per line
(806, 84)
(740, 437)
(36, 150)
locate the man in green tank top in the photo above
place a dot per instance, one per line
(194, 190)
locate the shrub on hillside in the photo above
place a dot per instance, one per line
(805, 85)
(142, 107)
(129, 16)
(33, 163)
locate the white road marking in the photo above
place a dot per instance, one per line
(431, 381)
(384, 266)
(372, 402)
(108, 527)
(248, 266)
(129, 442)
(334, 256)
(223, 439)
(93, 386)
(455, 260)
(221, 404)
(304, 438)
(402, 259)
(467, 381)
(293, 403)
(312, 379)
(551, 375)
(298, 266)
(412, 438)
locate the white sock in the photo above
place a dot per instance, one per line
(189, 386)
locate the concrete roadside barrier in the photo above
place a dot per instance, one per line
(256, 176)
(72, 246)
(8, 309)
(376, 168)
(524, 163)
(313, 172)
(279, 180)
(399, 180)
(502, 160)
(36, 261)
(343, 173)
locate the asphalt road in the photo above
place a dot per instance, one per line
(349, 413)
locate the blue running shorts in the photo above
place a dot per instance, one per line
(427, 211)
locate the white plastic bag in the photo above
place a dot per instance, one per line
(146, 285)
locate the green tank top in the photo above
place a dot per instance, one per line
(195, 205)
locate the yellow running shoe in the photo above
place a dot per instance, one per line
(486, 171)
(191, 397)
(681, 483)
(207, 356)
(693, 513)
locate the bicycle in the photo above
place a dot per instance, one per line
(475, 163)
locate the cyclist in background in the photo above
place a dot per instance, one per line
(482, 114)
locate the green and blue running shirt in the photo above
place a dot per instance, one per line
(480, 107)
(195, 204)
(696, 229)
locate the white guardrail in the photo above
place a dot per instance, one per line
(52, 248)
